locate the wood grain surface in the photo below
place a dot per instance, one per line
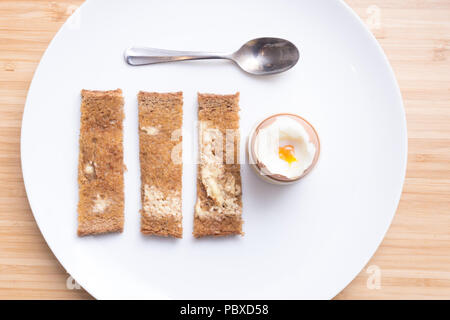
(414, 258)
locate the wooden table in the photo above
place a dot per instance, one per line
(414, 258)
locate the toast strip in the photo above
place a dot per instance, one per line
(100, 163)
(218, 210)
(160, 120)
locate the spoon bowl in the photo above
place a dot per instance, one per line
(266, 56)
(259, 56)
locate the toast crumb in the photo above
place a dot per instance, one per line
(160, 121)
(218, 210)
(100, 163)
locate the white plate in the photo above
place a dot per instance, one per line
(307, 240)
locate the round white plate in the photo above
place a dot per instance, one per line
(307, 240)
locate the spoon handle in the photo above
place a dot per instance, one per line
(137, 56)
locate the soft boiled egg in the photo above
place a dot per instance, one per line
(283, 148)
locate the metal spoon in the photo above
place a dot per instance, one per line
(258, 56)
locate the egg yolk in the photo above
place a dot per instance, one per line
(286, 153)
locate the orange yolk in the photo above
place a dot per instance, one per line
(286, 153)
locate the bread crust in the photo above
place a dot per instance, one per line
(160, 121)
(100, 163)
(218, 211)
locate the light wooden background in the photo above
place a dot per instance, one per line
(414, 258)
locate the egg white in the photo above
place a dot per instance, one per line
(284, 131)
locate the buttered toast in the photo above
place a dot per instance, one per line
(100, 163)
(218, 210)
(160, 121)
